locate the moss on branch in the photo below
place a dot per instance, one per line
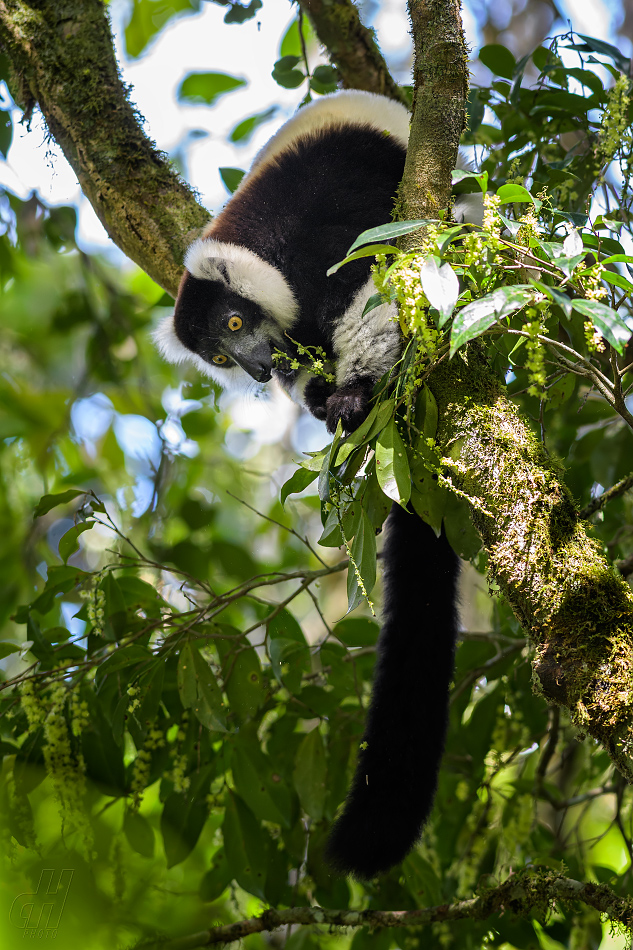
(352, 47)
(63, 57)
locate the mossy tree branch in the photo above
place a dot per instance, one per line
(576, 609)
(352, 47)
(532, 892)
(63, 57)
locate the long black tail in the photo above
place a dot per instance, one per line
(393, 789)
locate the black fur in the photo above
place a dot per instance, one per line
(393, 788)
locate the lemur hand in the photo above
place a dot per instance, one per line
(316, 395)
(350, 404)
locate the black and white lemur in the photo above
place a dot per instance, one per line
(257, 280)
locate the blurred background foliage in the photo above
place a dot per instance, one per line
(182, 698)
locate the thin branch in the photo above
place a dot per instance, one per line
(523, 893)
(351, 47)
(598, 503)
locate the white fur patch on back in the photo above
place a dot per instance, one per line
(344, 108)
(172, 350)
(369, 345)
(248, 275)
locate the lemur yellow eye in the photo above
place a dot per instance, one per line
(235, 323)
(219, 359)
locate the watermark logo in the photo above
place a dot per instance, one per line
(38, 914)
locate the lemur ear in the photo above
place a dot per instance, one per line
(202, 263)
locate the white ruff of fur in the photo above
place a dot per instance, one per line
(248, 275)
(369, 345)
(342, 109)
(172, 350)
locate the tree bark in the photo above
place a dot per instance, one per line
(63, 57)
(439, 108)
(578, 612)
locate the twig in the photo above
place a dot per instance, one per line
(598, 503)
(279, 525)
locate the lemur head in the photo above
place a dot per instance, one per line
(231, 311)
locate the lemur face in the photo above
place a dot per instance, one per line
(230, 316)
(223, 328)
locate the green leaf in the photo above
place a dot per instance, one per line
(48, 502)
(460, 531)
(386, 232)
(375, 301)
(116, 609)
(291, 42)
(511, 193)
(429, 499)
(498, 59)
(244, 130)
(286, 626)
(184, 815)
(426, 413)
(472, 320)
(206, 88)
(238, 13)
(69, 542)
(555, 295)
(309, 774)
(375, 422)
(459, 174)
(231, 178)
(198, 689)
(6, 132)
(285, 74)
(297, 482)
(324, 79)
(243, 683)
(245, 846)
(441, 287)
(392, 466)
(606, 321)
(215, 881)
(148, 19)
(369, 251)
(251, 770)
(604, 49)
(6, 648)
(363, 550)
(139, 833)
(357, 631)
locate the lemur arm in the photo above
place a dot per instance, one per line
(365, 348)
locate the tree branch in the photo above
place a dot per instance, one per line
(63, 55)
(536, 890)
(351, 47)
